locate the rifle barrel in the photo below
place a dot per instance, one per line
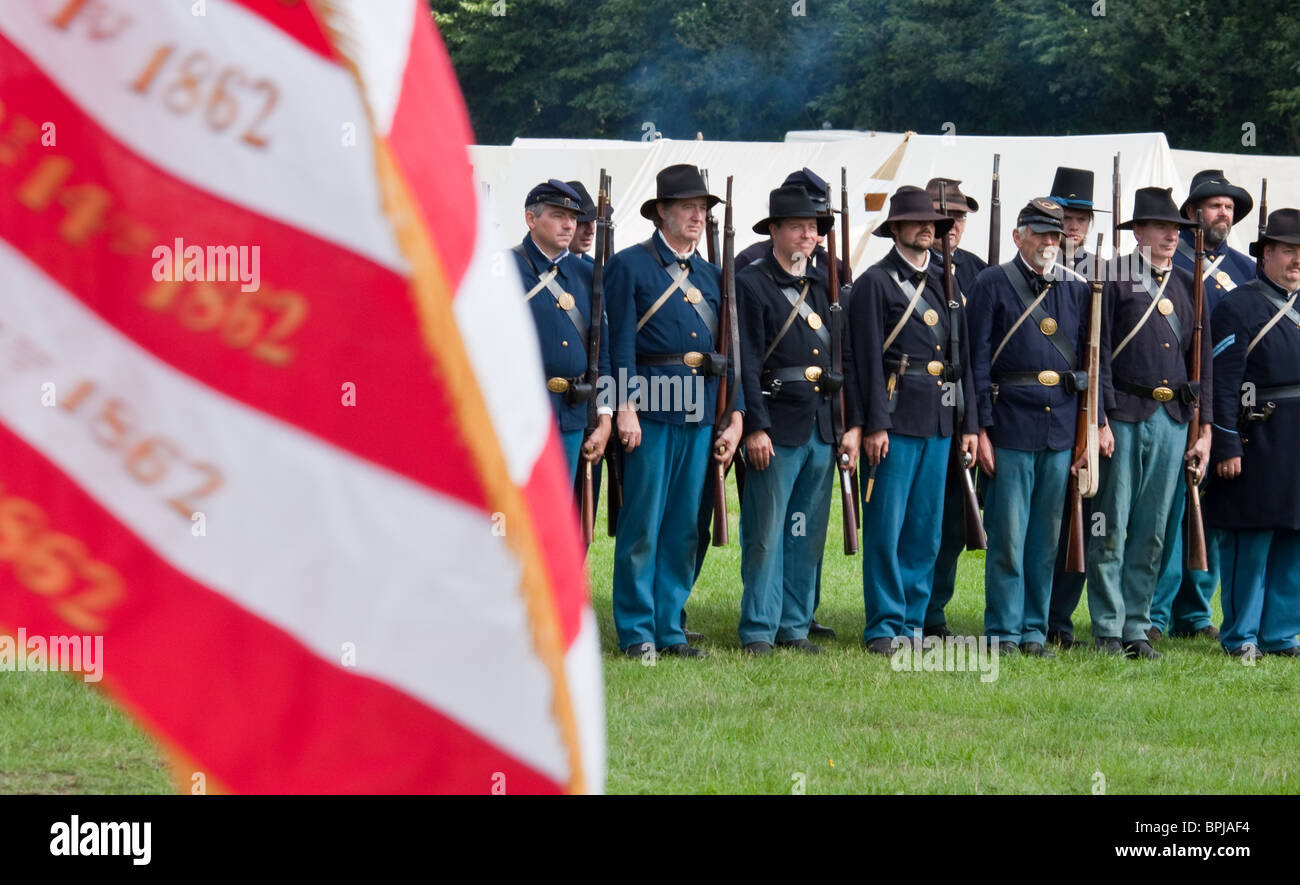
(995, 214)
(1263, 224)
(1114, 208)
(848, 511)
(844, 226)
(1195, 542)
(729, 346)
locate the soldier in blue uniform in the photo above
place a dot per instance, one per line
(1146, 337)
(664, 303)
(899, 307)
(1182, 602)
(789, 385)
(558, 291)
(1072, 191)
(815, 186)
(965, 267)
(1252, 502)
(1028, 327)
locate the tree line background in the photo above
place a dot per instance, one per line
(752, 69)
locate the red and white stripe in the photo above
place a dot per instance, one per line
(377, 525)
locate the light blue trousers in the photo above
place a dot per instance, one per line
(783, 522)
(1137, 489)
(901, 529)
(1022, 515)
(1183, 596)
(1261, 588)
(654, 549)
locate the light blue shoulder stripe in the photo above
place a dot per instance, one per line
(1225, 344)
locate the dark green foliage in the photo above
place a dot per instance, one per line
(753, 69)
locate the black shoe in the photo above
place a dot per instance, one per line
(1063, 638)
(1140, 648)
(1008, 648)
(682, 650)
(1292, 652)
(803, 645)
(758, 649)
(640, 651)
(816, 629)
(692, 636)
(881, 645)
(1035, 649)
(940, 630)
(1249, 651)
(1154, 635)
(1108, 644)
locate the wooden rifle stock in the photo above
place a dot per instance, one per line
(729, 347)
(845, 476)
(976, 539)
(1195, 540)
(587, 501)
(995, 215)
(1263, 225)
(1084, 484)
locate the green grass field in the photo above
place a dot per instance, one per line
(1195, 721)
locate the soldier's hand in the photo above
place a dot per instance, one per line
(1200, 452)
(724, 447)
(984, 453)
(970, 446)
(1230, 469)
(758, 450)
(1105, 440)
(594, 448)
(851, 445)
(629, 428)
(876, 447)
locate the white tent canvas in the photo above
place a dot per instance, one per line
(1027, 167)
(508, 173)
(1245, 171)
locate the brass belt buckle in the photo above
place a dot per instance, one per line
(813, 373)
(934, 367)
(1048, 378)
(694, 359)
(1162, 394)
(557, 385)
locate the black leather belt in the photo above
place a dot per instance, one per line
(1185, 392)
(916, 365)
(712, 363)
(826, 380)
(1286, 391)
(1072, 382)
